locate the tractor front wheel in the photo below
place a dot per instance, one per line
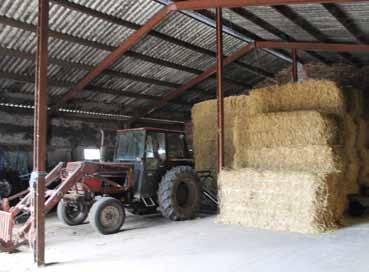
(179, 194)
(72, 213)
(107, 215)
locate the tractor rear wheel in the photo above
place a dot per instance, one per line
(179, 194)
(107, 215)
(72, 213)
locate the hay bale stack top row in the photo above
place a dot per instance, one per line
(322, 96)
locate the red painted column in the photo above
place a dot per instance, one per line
(220, 92)
(40, 133)
(294, 65)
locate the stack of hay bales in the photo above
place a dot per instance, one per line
(339, 106)
(294, 158)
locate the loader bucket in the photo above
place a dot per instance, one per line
(6, 231)
(10, 239)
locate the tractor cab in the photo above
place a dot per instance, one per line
(153, 152)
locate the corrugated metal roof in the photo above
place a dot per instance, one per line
(86, 40)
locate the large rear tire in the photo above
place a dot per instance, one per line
(107, 215)
(72, 213)
(179, 194)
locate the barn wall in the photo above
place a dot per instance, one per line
(66, 138)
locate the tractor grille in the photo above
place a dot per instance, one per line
(6, 226)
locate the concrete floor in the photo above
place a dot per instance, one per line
(152, 244)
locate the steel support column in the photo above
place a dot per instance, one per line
(220, 91)
(294, 65)
(40, 130)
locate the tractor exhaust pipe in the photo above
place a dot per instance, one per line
(102, 146)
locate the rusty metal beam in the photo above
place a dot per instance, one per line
(255, 70)
(91, 88)
(294, 65)
(185, 87)
(109, 72)
(153, 33)
(37, 184)
(349, 24)
(117, 53)
(93, 44)
(318, 46)
(248, 15)
(220, 91)
(207, 4)
(305, 25)
(206, 74)
(208, 18)
(86, 67)
(65, 37)
(118, 21)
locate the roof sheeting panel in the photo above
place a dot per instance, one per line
(282, 23)
(360, 13)
(183, 27)
(248, 25)
(322, 20)
(136, 11)
(146, 69)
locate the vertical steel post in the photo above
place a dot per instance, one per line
(294, 65)
(40, 129)
(220, 94)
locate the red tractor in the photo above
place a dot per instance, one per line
(152, 170)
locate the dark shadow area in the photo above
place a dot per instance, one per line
(51, 264)
(349, 220)
(136, 222)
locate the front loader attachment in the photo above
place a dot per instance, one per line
(11, 239)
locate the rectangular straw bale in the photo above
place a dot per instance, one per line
(279, 200)
(314, 158)
(204, 118)
(322, 95)
(286, 129)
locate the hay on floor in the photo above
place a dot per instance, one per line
(279, 200)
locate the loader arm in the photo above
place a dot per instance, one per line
(11, 240)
